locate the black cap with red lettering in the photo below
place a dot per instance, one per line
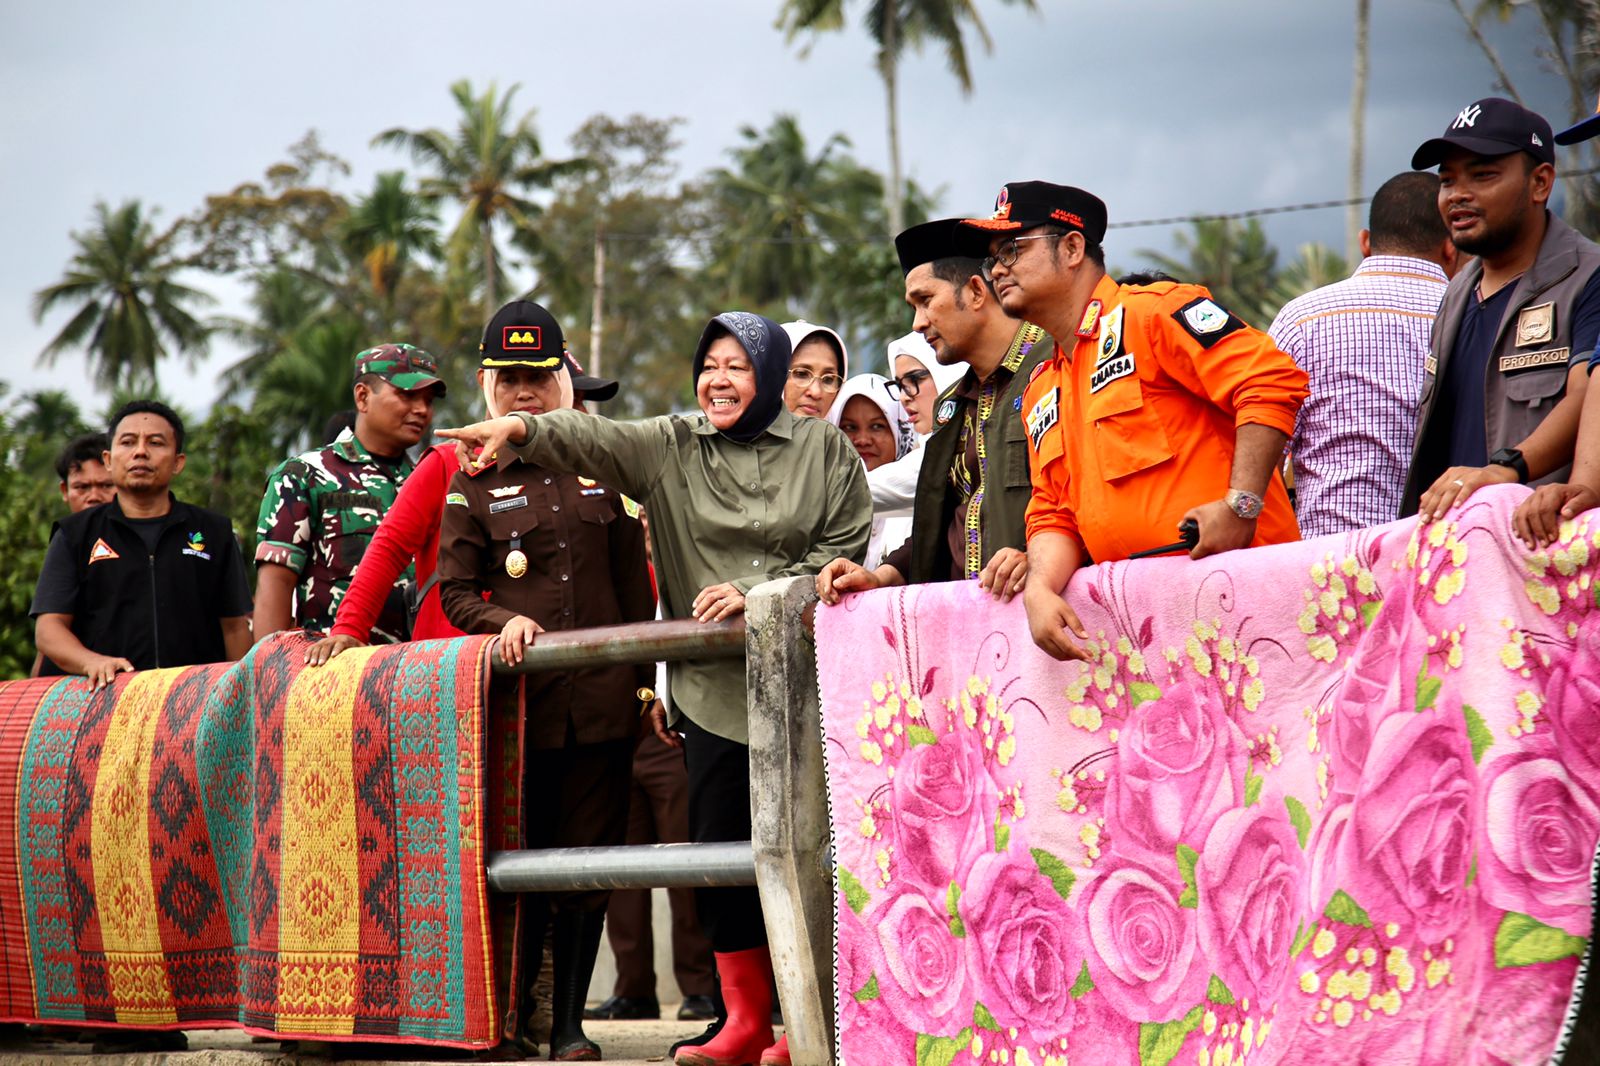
(1490, 127)
(1025, 204)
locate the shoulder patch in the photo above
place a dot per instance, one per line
(1038, 368)
(1205, 321)
(945, 412)
(630, 507)
(101, 552)
(455, 499)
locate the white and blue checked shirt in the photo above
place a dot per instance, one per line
(1362, 341)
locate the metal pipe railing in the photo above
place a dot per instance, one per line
(715, 865)
(628, 644)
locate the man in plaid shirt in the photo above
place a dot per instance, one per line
(1363, 341)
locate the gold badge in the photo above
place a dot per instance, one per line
(516, 563)
(587, 482)
(1536, 325)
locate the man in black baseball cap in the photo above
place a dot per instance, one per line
(971, 495)
(1506, 372)
(1490, 127)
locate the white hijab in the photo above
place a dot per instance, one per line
(913, 345)
(875, 387)
(800, 331)
(563, 379)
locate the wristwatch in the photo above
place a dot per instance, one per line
(1246, 505)
(1513, 458)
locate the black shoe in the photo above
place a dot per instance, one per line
(138, 1041)
(574, 945)
(697, 1009)
(625, 1008)
(695, 1041)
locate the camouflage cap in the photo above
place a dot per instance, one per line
(401, 365)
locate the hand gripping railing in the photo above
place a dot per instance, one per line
(788, 858)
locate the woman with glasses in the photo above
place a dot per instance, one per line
(818, 364)
(919, 380)
(881, 434)
(743, 493)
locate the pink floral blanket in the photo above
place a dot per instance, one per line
(1328, 802)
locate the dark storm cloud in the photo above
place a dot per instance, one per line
(1179, 107)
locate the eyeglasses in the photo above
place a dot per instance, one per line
(1007, 256)
(907, 384)
(802, 378)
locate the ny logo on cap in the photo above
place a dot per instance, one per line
(521, 338)
(1467, 117)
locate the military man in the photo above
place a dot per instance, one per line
(322, 507)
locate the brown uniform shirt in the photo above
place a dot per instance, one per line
(585, 567)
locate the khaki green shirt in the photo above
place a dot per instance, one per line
(782, 506)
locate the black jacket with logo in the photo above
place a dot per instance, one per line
(155, 610)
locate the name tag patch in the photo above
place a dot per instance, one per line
(1536, 325)
(1529, 360)
(508, 505)
(1045, 413)
(1110, 371)
(591, 492)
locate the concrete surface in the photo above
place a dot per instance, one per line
(624, 1044)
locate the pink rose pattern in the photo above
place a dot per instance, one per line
(1334, 801)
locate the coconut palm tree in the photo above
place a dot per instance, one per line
(892, 25)
(131, 311)
(387, 228)
(783, 207)
(487, 164)
(309, 380)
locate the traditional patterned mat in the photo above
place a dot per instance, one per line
(291, 851)
(1329, 802)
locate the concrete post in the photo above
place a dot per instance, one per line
(789, 807)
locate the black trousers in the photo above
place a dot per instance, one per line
(577, 796)
(719, 809)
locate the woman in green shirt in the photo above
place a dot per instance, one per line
(741, 494)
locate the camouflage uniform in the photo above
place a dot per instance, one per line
(322, 507)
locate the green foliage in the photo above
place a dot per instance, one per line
(29, 503)
(1525, 941)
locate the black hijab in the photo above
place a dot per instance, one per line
(767, 345)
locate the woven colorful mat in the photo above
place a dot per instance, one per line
(296, 852)
(1327, 802)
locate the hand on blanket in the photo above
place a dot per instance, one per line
(516, 635)
(328, 647)
(101, 670)
(1220, 529)
(717, 602)
(1004, 576)
(1453, 487)
(1538, 520)
(1051, 620)
(484, 439)
(658, 722)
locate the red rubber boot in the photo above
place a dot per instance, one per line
(747, 989)
(777, 1054)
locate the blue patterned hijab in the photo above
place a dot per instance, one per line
(767, 345)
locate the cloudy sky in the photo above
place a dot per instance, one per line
(1167, 107)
